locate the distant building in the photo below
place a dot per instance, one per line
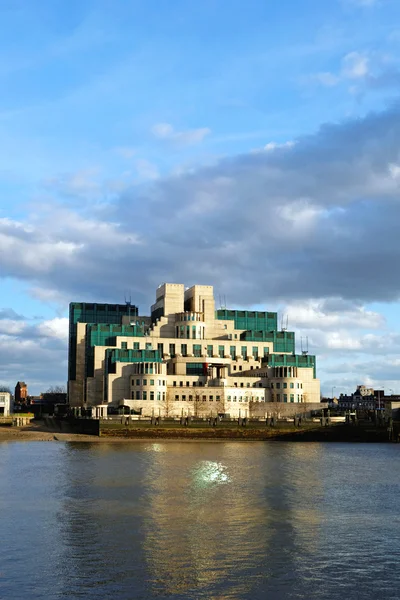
(5, 404)
(392, 409)
(21, 393)
(363, 398)
(186, 358)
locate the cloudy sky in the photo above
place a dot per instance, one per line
(255, 148)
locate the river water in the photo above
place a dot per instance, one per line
(199, 520)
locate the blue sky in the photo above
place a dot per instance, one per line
(263, 135)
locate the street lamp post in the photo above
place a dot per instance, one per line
(379, 399)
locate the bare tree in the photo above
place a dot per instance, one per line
(57, 389)
(5, 388)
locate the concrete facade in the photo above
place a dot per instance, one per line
(188, 359)
(6, 407)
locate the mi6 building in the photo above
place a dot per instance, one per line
(186, 359)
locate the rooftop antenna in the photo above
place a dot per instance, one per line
(128, 302)
(304, 350)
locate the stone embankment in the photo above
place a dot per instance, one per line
(364, 433)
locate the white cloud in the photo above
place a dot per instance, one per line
(165, 131)
(333, 313)
(146, 170)
(54, 328)
(82, 183)
(34, 353)
(127, 152)
(10, 327)
(394, 171)
(267, 225)
(276, 146)
(363, 3)
(355, 65)
(326, 78)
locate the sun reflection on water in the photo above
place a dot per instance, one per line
(210, 472)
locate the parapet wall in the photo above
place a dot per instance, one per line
(288, 410)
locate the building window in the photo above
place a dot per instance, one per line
(138, 395)
(194, 369)
(241, 385)
(163, 396)
(184, 349)
(285, 397)
(244, 352)
(211, 398)
(291, 397)
(272, 385)
(177, 397)
(190, 398)
(285, 385)
(172, 350)
(247, 385)
(151, 395)
(136, 346)
(144, 381)
(232, 351)
(204, 398)
(234, 367)
(174, 383)
(144, 395)
(278, 397)
(197, 350)
(124, 345)
(240, 368)
(291, 385)
(298, 397)
(193, 332)
(148, 346)
(158, 395)
(221, 351)
(133, 396)
(255, 352)
(229, 398)
(151, 381)
(181, 384)
(187, 383)
(217, 398)
(278, 386)
(209, 350)
(137, 381)
(298, 385)
(234, 398)
(184, 398)
(160, 348)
